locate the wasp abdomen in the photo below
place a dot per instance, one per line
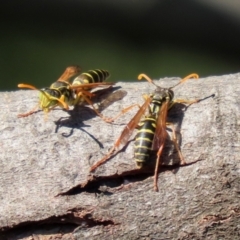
(92, 76)
(144, 140)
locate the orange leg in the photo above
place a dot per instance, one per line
(109, 120)
(174, 138)
(94, 109)
(123, 111)
(28, 113)
(156, 168)
(104, 159)
(183, 101)
(86, 93)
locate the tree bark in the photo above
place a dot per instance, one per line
(47, 191)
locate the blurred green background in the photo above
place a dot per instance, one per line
(159, 37)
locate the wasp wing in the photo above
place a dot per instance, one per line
(160, 132)
(91, 85)
(125, 135)
(128, 130)
(68, 73)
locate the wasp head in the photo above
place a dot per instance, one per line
(50, 98)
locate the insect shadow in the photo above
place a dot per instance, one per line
(80, 113)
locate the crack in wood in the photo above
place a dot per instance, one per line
(67, 223)
(108, 185)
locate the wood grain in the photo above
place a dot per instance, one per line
(47, 191)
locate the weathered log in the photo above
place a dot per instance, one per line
(47, 191)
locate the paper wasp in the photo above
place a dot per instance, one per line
(152, 133)
(62, 93)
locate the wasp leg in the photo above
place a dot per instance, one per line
(28, 113)
(186, 101)
(156, 168)
(123, 111)
(109, 120)
(104, 159)
(183, 101)
(175, 142)
(176, 145)
(82, 93)
(94, 109)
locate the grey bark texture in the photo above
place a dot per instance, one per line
(47, 191)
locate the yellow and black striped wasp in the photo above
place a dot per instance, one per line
(62, 93)
(152, 133)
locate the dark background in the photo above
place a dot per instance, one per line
(39, 39)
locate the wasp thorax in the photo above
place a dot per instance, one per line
(163, 94)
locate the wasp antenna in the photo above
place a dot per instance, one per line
(61, 100)
(190, 76)
(143, 75)
(193, 75)
(22, 85)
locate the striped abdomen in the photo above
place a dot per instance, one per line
(92, 76)
(144, 140)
